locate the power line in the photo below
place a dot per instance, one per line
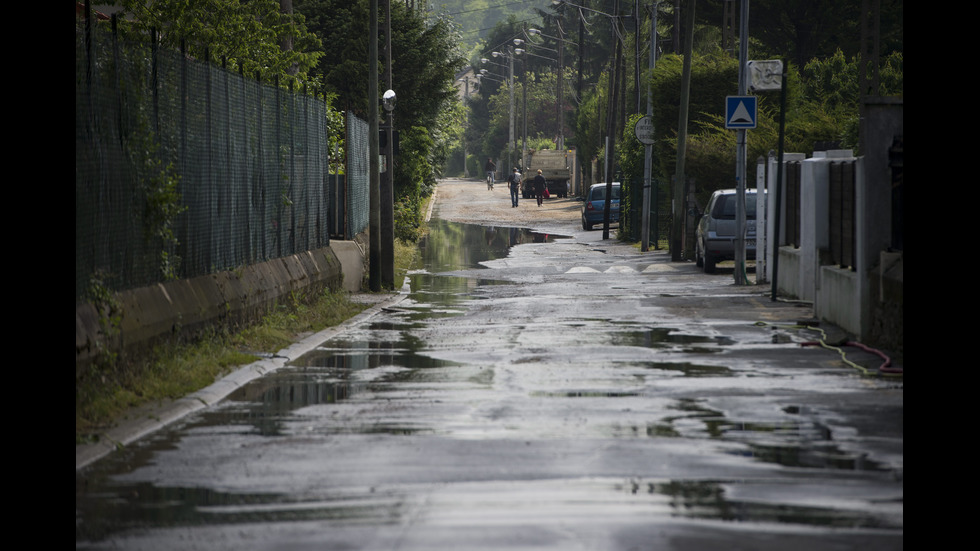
(486, 8)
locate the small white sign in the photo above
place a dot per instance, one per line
(765, 75)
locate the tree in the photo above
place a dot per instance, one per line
(488, 119)
(425, 58)
(248, 34)
(802, 30)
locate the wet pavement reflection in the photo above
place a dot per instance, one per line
(414, 383)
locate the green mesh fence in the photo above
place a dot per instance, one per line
(183, 168)
(358, 181)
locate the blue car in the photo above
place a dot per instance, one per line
(595, 203)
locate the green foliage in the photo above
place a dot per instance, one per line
(474, 165)
(539, 142)
(414, 180)
(335, 135)
(157, 200)
(588, 125)
(110, 318)
(713, 77)
(447, 133)
(477, 16)
(541, 112)
(173, 369)
(255, 35)
(802, 30)
(162, 205)
(425, 57)
(822, 105)
(631, 152)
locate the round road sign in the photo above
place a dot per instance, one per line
(644, 130)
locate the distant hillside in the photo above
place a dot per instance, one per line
(477, 17)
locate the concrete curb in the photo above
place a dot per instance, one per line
(155, 417)
(185, 308)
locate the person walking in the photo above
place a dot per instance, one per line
(515, 186)
(491, 169)
(540, 185)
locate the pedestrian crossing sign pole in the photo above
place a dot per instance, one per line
(740, 112)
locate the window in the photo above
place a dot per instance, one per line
(724, 207)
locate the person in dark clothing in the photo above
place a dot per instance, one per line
(515, 186)
(540, 184)
(491, 169)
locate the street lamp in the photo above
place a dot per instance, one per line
(389, 100)
(487, 74)
(388, 224)
(485, 60)
(519, 51)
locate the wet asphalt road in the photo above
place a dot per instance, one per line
(531, 390)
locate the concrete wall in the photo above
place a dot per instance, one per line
(840, 298)
(770, 245)
(184, 309)
(867, 301)
(882, 269)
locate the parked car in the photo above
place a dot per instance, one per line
(715, 240)
(595, 203)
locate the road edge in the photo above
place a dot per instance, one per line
(152, 418)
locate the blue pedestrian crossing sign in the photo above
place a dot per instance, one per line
(740, 112)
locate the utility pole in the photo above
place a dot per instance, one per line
(511, 145)
(560, 100)
(648, 149)
(374, 218)
(680, 184)
(611, 122)
(466, 122)
(522, 121)
(740, 157)
(387, 182)
(637, 21)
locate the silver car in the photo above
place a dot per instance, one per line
(716, 229)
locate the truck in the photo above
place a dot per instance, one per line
(554, 166)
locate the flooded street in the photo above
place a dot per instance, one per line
(534, 387)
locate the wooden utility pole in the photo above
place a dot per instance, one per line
(374, 218)
(680, 187)
(387, 182)
(611, 123)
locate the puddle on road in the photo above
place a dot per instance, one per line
(141, 505)
(335, 371)
(585, 394)
(450, 246)
(789, 442)
(388, 353)
(707, 499)
(691, 370)
(656, 337)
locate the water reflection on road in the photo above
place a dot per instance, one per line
(451, 411)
